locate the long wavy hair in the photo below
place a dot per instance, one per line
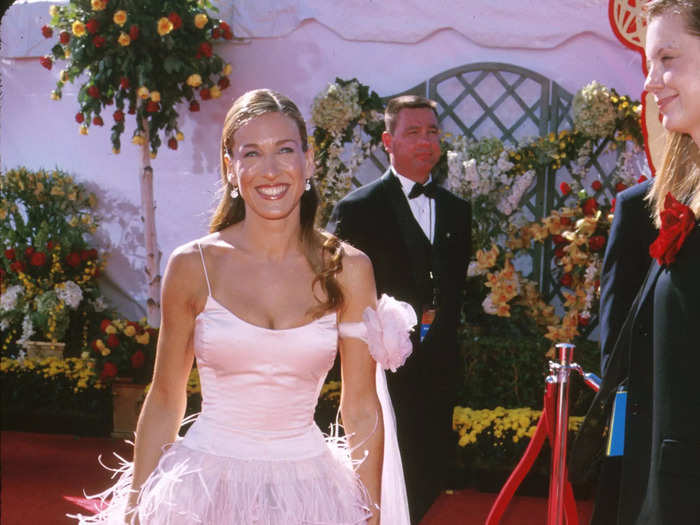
(679, 172)
(322, 250)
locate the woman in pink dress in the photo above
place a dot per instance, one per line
(263, 303)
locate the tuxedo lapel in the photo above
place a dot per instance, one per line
(409, 229)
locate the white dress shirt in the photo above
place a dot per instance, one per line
(422, 207)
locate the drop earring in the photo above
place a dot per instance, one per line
(307, 187)
(234, 193)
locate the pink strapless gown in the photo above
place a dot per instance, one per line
(254, 456)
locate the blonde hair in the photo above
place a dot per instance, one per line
(679, 172)
(322, 250)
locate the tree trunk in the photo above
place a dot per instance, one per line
(148, 216)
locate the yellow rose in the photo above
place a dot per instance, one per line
(130, 331)
(143, 339)
(124, 39)
(64, 75)
(98, 5)
(164, 26)
(194, 80)
(110, 329)
(155, 96)
(66, 52)
(227, 69)
(53, 10)
(215, 92)
(105, 351)
(83, 130)
(179, 136)
(55, 96)
(119, 17)
(138, 140)
(200, 20)
(78, 28)
(100, 345)
(143, 92)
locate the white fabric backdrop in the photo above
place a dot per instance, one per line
(296, 47)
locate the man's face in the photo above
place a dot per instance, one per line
(414, 146)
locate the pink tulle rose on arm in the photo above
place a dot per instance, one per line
(388, 331)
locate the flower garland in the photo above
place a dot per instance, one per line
(144, 58)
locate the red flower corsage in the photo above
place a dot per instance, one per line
(677, 221)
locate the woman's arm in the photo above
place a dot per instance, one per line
(359, 405)
(165, 403)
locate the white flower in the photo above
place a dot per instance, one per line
(8, 300)
(99, 304)
(27, 330)
(70, 293)
(474, 270)
(388, 331)
(488, 305)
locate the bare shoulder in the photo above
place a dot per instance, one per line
(184, 274)
(357, 272)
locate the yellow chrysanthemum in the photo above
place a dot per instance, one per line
(78, 28)
(164, 26)
(200, 20)
(119, 17)
(194, 80)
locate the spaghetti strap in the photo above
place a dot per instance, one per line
(206, 276)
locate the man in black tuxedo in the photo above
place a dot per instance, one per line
(622, 480)
(418, 236)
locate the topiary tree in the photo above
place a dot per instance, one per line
(142, 59)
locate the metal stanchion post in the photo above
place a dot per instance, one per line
(560, 375)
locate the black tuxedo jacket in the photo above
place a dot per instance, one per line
(376, 219)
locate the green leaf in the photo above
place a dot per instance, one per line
(172, 64)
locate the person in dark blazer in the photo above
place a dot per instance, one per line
(625, 265)
(418, 237)
(664, 321)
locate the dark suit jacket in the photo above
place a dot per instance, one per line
(673, 293)
(376, 218)
(625, 265)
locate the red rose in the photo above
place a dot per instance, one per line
(112, 341)
(93, 91)
(109, 370)
(590, 206)
(559, 252)
(138, 359)
(79, 118)
(677, 221)
(596, 243)
(17, 266)
(64, 37)
(205, 49)
(204, 93)
(46, 62)
(124, 83)
(566, 221)
(228, 34)
(641, 179)
(175, 20)
(558, 239)
(152, 107)
(10, 254)
(224, 82)
(620, 187)
(597, 185)
(118, 115)
(194, 106)
(28, 251)
(172, 143)
(564, 188)
(98, 41)
(97, 120)
(50, 245)
(104, 324)
(37, 259)
(134, 32)
(216, 33)
(47, 31)
(92, 26)
(73, 259)
(566, 280)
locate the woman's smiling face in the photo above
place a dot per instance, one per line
(269, 165)
(673, 61)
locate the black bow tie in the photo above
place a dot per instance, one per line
(429, 190)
